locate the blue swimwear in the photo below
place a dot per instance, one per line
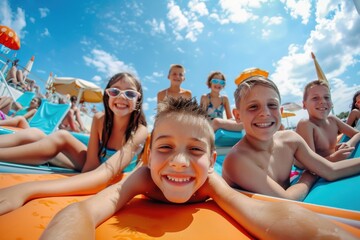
(110, 152)
(215, 112)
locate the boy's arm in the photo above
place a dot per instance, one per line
(227, 108)
(322, 167)
(354, 114)
(249, 176)
(306, 131)
(270, 220)
(90, 213)
(349, 131)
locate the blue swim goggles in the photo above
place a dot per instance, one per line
(218, 81)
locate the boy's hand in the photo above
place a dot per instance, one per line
(213, 184)
(343, 151)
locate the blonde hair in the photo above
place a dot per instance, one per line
(244, 87)
(314, 83)
(172, 66)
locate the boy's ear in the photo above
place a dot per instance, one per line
(212, 161)
(281, 109)
(304, 105)
(236, 114)
(148, 154)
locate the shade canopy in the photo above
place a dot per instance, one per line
(287, 114)
(249, 73)
(291, 106)
(84, 90)
(9, 38)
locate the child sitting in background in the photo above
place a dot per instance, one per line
(177, 77)
(354, 116)
(215, 104)
(21, 117)
(262, 160)
(179, 170)
(320, 131)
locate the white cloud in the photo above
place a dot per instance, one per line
(179, 49)
(156, 27)
(106, 63)
(272, 20)
(186, 24)
(45, 33)
(44, 12)
(145, 106)
(96, 78)
(335, 42)
(154, 99)
(198, 7)
(16, 21)
(265, 33)
(175, 15)
(238, 11)
(299, 8)
(158, 74)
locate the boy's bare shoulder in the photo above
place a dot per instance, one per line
(238, 154)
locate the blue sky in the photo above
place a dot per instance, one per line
(93, 40)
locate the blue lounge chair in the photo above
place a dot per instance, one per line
(24, 100)
(49, 116)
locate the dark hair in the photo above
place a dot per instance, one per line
(137, 117)
(73, 98)
(353, 104)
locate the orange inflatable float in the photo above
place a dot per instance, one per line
(140, 219)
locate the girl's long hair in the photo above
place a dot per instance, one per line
(353, 106)
(137, 116)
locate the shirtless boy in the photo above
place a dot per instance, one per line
(261, 161)
(320, 131)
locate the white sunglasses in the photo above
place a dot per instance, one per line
(129, 94)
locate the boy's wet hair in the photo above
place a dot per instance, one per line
(251, 82)
(211, 76)
(314, 83)
(185, 109)
(172, 66)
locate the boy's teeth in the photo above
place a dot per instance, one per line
(175, 179)
(263, 124)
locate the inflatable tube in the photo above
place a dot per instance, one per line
(225, 138)
(140, 219)
(342, 193)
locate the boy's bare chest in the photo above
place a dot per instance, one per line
(325, 140)
(276, 164)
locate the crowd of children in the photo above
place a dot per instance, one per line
(187, 154)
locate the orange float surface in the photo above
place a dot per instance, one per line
(140, 219)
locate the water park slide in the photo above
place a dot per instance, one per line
(142, 218)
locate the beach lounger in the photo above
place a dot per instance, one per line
(24, 100)
(49, 116)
